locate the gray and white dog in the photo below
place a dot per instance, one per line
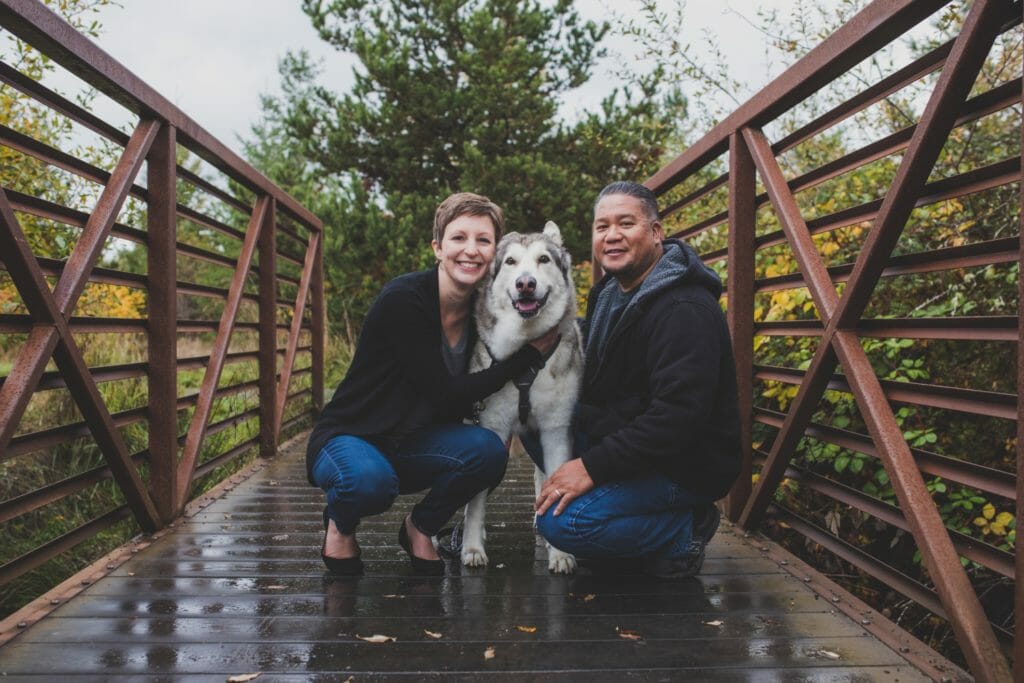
(529, 290)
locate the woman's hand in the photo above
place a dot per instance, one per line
(546, 342)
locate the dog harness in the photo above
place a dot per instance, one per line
(523, 383)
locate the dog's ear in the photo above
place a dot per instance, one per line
(552, 232)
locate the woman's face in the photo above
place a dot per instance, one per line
(466, 250)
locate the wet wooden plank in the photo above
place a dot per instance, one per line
(239, 588)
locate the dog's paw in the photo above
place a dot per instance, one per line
(474, 557)
(560, 562)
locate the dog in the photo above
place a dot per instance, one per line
(528, 291)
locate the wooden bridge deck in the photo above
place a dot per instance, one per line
(238, 588)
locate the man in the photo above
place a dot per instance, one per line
(657, 428)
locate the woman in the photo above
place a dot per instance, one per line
(394, 424)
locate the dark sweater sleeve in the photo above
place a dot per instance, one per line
(413, 333)
(682, 359)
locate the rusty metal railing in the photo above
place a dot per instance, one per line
(249, 279)
(738, 229)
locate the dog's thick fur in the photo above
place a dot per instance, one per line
(528, 291)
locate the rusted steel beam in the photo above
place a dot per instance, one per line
(919, 68)
(740, 311)
(816, 380)
(44, 495)
(55, 157)
(986, 479)
(269, 417)
(162, 335)
(44, 553)
(318, 318)
(204, 404)
(807, 255)
(36, 24)
(977, 180)
(976, 328)
(46, 308)
(225, 457)
(962, 67)
(698, 194)
(972, 401)
(862, 560)
(967, 256)
(1018, 599)
(60, 104)
(868, 31)
(938, 554)
(999, 561)
(212, 190)
(293, 335)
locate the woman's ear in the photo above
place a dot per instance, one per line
(437, 249)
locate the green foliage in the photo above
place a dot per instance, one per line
(449, 96)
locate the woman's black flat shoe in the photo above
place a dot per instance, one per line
(339, 566)
(419, 565)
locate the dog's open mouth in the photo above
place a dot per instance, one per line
(529, 306)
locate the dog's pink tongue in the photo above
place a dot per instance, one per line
(527, 305)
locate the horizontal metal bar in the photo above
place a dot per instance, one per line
(974, 255)
(986, 479)
(39, 556)
(975, 328)
(696, 195)
(46, 31)
(60, 104)
(977, 180)
(861, 560)
(984, 554)
(973, 401)
(225, 457)
(45, 495)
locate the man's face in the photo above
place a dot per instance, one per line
(625, 241)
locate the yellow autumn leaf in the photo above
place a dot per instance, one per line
(527, 629)
(989, 511)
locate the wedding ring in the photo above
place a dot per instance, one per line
(558, 492)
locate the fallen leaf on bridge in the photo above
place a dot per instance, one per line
(377, 639)
(242, 678)
(489, 653)
(433, 634)
(527, 629)
(629, 634)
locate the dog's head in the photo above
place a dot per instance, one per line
(532, 274)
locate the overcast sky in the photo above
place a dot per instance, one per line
(213, 58)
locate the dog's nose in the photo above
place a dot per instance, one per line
(526, 284)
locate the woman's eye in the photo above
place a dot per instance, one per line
(544, 259)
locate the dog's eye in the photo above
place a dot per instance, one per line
(510, 261)
(544, 258)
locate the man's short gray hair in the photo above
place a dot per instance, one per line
(631, 189)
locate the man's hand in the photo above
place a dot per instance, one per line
(570, 481)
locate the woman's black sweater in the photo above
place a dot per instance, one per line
(398, 382)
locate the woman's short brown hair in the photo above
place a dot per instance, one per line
(467, 204)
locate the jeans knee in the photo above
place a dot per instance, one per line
(374, 491)
(489, 457)
(555, 530)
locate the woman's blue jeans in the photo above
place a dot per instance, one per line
(454, 461)
(645, 516)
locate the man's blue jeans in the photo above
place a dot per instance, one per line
(645, 516)
(454, 461)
